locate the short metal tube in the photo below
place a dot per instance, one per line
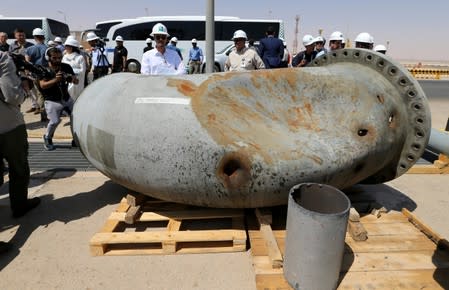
(316, 226)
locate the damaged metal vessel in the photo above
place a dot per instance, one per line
(244, 139)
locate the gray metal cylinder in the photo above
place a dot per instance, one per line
(439, 141)
(316, 226)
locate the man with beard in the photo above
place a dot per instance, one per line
(54, 89)
(160, 60)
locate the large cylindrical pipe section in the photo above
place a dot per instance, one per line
(243, 139)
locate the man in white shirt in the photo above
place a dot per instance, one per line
(160, 60)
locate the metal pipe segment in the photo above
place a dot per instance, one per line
(243, 139)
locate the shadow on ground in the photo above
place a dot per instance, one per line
(65, 209)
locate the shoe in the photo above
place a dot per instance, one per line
(48, 144)
(31, 203)
(5, 247)
(74, 143)
(30, 110)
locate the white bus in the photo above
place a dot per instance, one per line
(51, 27)
(185, 28)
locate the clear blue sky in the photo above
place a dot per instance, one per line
(414, 29)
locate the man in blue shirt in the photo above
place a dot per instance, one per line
(172, 45)
(195, 58)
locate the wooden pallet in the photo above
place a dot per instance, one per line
(158, 227)
(440, 166)
(401, 252)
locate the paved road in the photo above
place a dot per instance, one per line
(436, 89)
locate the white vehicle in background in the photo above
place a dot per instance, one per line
(185, 28)
(51, 27)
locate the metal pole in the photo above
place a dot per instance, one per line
(210, 37)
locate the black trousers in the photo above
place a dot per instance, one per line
(100, 71)
(14, 148)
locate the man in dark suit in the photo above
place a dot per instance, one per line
(271, 49)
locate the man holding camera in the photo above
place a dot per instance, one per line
(54, 88)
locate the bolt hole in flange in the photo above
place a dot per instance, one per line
(381, 64)
(416, 147)
(362, 132)
(369, 58)
(403, 82)
(392, 71)
(411, 93)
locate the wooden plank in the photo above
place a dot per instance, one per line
(270, 242)
(135, 199)
(390, 261)
(159, 236)
(390, 244)
(357, 231)
(272, 282)
(390, 217)
(391, 229)
(132, 214)
(411, 279)
(428, 231)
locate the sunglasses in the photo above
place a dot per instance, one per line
(160, 36)
(239, 39)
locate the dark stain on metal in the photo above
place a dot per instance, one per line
(100, 145)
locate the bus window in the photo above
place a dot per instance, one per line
(101, 29)
(254, 30)
(58, 28)
(186, 30)
(9, 25)
(140, 31)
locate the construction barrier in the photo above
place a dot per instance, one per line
(436, 74)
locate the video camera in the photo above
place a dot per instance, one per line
(36, 71)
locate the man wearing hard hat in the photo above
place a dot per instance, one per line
(120, 56)
(160, 60)
(306, 56)
(242, 58)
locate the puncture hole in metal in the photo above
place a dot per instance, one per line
(390, 119)
(231, 167)
(380, 99)
(362, 132)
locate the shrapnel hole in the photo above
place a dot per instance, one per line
(362, 132)
(231, 167)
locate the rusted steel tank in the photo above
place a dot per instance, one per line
(244, 139)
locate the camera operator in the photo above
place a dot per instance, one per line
(13, 138)
(100, 61)
(54, 88)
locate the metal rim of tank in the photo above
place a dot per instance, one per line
(411, 91)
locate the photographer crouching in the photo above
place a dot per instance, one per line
(54, 88)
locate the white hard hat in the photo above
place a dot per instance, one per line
(148, 40)
(72, 42)
(70, 36)
(119, 38)
(91, 36)
(336, 35)
(174, 39)
(380, 47)
(239, 34)
(364, 37)
(319, 38)
(58, 39)
(159, 28)
(194, 40)
(308, 40)
(50, 43)
(38, 32)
